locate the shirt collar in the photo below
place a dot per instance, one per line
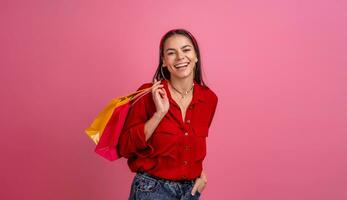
(197, 92)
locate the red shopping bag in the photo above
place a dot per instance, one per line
(107, 144)
(106, 128)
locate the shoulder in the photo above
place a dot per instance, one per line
(143, 100)
(210, 94)
(148, 96)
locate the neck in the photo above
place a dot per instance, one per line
(182, 84)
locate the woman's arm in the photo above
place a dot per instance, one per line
(152, 124)
(138, 128)
(161, 102)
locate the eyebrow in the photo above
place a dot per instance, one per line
(181, 47)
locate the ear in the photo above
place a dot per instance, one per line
(162, 59)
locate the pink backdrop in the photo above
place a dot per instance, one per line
(278, 67)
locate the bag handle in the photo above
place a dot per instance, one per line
(140, 96)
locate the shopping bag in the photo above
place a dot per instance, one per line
(107, 126)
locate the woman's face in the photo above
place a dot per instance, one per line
(179, 56)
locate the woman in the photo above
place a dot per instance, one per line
(164, 136)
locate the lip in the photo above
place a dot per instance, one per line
(181, 63)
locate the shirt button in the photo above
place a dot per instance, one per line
(184, 177)
(185, 162)
(186, 133)
(186, 147)
(188, 121)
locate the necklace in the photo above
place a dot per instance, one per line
(183, 94)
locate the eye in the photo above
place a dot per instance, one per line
(185, 50)
(170, 53)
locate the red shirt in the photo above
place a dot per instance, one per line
(177, 148)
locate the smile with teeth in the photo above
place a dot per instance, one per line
(177, 66)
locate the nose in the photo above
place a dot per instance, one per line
(180, 55)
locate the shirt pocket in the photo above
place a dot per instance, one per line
(167, 126)
(165, 139)
(200, 134)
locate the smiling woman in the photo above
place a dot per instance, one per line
(164, 136)
(180, 58)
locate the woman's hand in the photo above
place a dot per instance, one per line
(200, 183)
(160, 98)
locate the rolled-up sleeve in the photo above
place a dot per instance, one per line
(132, 140)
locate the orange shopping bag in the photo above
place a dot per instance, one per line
(107, 126)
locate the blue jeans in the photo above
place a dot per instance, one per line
(148, 187)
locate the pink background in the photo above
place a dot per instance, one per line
(278, 67)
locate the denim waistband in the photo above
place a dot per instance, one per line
(165, 180)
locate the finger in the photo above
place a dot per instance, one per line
(156, 81)
(155, 87)
(195, 188)
(157, 84)
(162, 92)
(157, 93)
